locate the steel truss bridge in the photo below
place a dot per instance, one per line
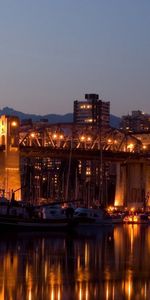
(56, 141)
(94, 158)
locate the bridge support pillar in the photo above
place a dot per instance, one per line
(132, 185)
(120, 192)
(135, 188)
(147, 184)
(10, 156)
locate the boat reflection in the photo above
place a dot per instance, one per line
(113, 265)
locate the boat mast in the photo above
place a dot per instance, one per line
(101, 164)
(68, 174)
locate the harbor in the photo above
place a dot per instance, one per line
(73, 216)
(74, 150)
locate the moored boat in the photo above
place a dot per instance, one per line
(15, 216)
(117, 218)
(91, 218)
(140, 218)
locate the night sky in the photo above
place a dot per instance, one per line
(52, 52)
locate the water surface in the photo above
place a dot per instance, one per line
(112, 264)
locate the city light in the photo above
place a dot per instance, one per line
(54, 136)
(89, 138)
(82, 138)
(144, 147)
(85, 138)
(14, 123)
(130, 147)
(32, 135)
(57, 136)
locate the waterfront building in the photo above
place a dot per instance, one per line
(9, 157)
(92, 111)
(93, 115)
(137, 121)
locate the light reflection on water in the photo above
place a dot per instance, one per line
(113, 265)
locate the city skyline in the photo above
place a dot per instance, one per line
(54, 53)
(9, 111)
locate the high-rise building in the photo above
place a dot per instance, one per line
(137, 121)
(92, 111)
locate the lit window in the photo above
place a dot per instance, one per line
(88, 171)
(88, 120)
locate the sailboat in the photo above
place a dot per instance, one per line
(17, 215)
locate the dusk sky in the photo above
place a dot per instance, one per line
(52, 52)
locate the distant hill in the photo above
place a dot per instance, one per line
(52, 118)
(115, 121)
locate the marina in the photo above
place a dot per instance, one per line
(20, 216)
(74, 150)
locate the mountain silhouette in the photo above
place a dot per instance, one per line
(52, 118)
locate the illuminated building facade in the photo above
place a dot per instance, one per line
(136, 122)
(9, 156)
(93, 112)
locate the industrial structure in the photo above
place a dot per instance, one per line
(63, 162)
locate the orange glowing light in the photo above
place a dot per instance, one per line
(61, 136)
(132, 209)
(32, 134)
(130, 146)
(54, 136)
(82, 138)
(135, 218)
(144, 146)
(14, 123)
(110, 208)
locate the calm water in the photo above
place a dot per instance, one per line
(113, 265)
